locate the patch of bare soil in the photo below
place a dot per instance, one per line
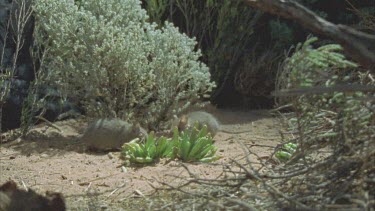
(57, 161)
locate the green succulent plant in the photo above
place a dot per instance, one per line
(189, 146)
(150, 151)
(286, 152)
(196, 145)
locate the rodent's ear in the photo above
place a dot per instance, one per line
(139, 131)
(174, 121)
(136, 127)
(184, 119)
(183, 122)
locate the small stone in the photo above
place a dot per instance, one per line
(44, 155)
(123, 169)
(110, 155)
(127, 163)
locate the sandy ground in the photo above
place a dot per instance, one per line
(58, 161)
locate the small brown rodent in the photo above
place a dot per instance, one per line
(203, 118)
(188, 120)
(107, 134)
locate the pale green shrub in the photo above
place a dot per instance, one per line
(106, 56)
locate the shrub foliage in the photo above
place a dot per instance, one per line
(105, 55)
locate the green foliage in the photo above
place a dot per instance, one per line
(213, 23)
(321, 67)
(340, 121)
(5, 77)
(106, 56)
(228, 30)
(225, 50)
(367, 16)
(190, 146)
(156, 9)
(281, 34)
(13, 30)
(28, 109)
(307, 65)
